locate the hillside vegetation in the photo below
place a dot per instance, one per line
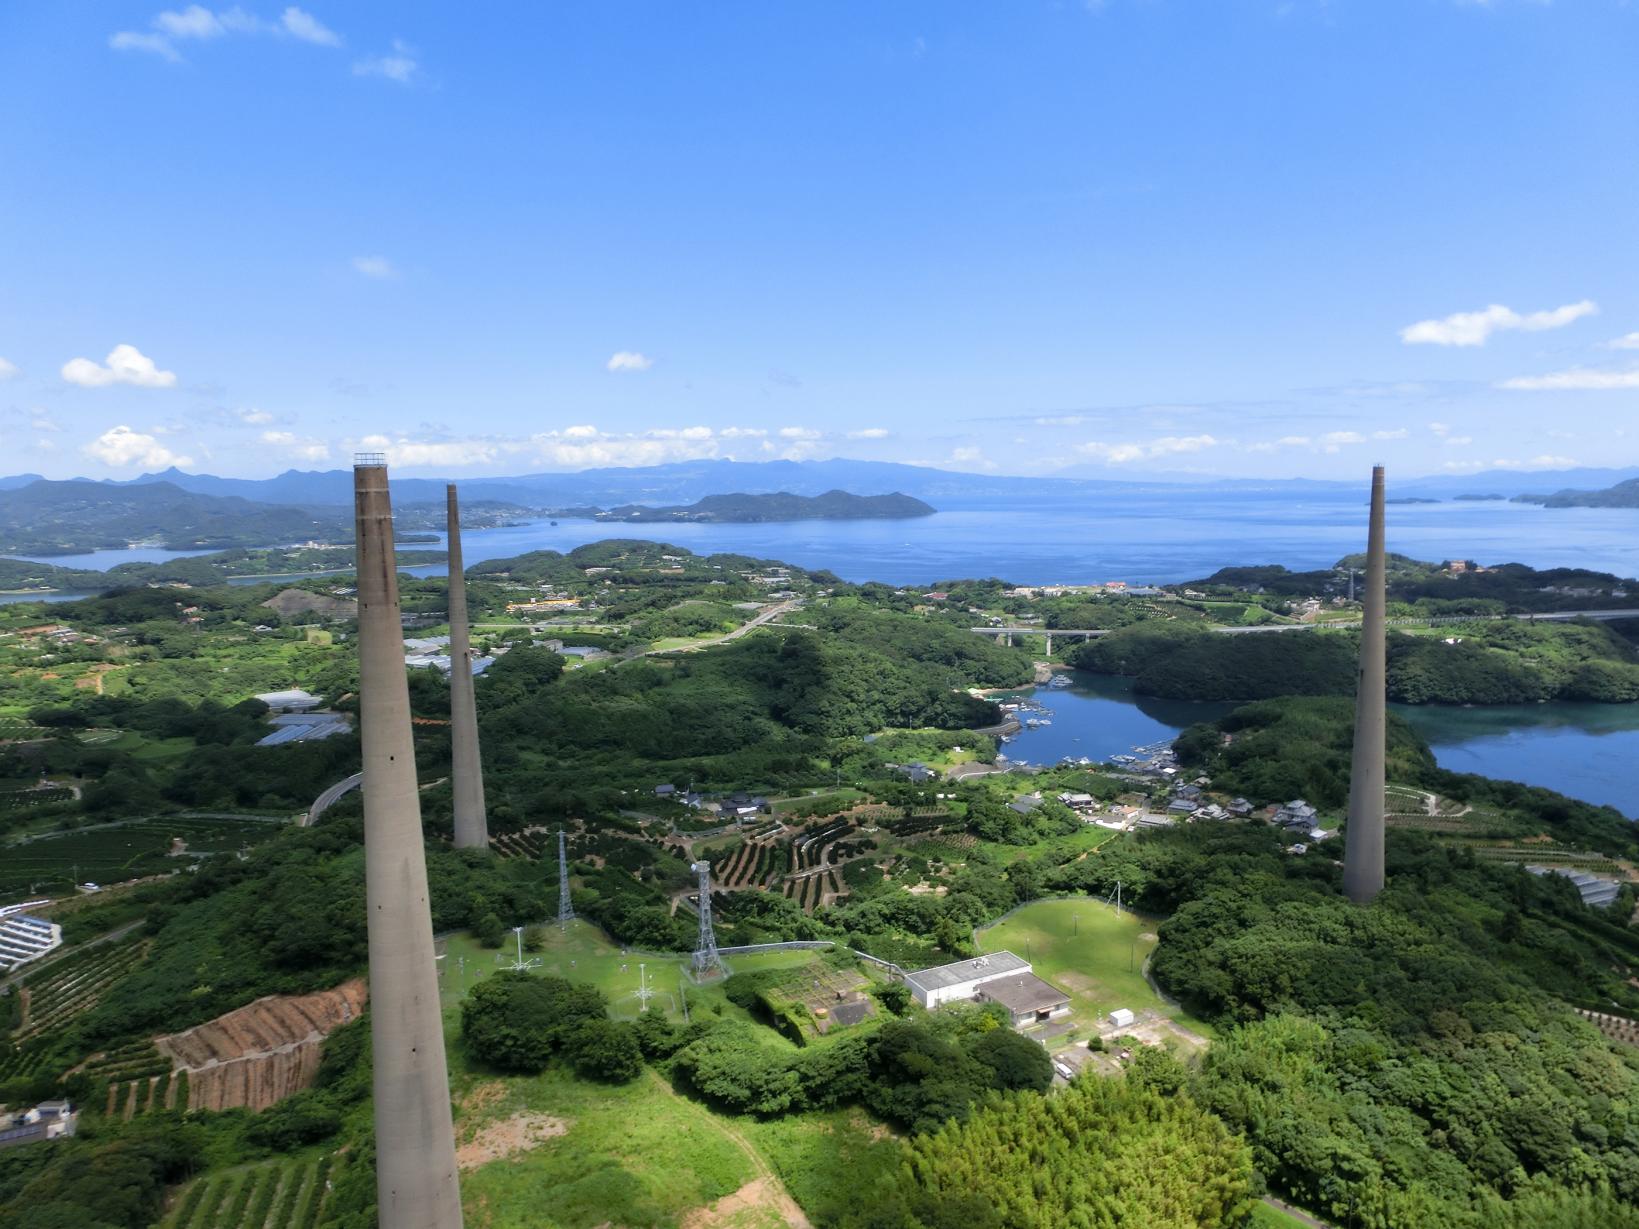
(1501, 661)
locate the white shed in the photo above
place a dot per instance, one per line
(1121, 1017)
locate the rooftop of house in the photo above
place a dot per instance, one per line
(1024, 992)
(941, 977)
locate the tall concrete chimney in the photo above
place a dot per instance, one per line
(466, 767)
(416, 1182)
(1363, 843)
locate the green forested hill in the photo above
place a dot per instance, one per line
(1499, 661)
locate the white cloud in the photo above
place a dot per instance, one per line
(199, 24)
(255, 417)
(870, 433)
(307, 28)
(972, 457)
(1440, 428)
(194, 21)
(628, 360)
(41, 421)
(410, 452)
(1458, 441)
(1333, 438)
(1399, 433)
(1577, 378)
(1166, 445)
(154, 44)
(1549, 461)
(400, 65)
(119, 447)
(124, 365)
(374, 266)
(1628, 341)
(1473, 328)
(297, 446)
(799, 433)
(742, 433)
(8, 369)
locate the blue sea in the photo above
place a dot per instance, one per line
(1169, 534)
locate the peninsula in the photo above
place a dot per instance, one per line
(780, 506)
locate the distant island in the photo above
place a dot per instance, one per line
(67, 518)
(781, 506)
(1411, 499)
(1622, 495)
(1481, 498)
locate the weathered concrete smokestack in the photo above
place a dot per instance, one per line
(416, 1182)
(1363, 845)
(466, 767)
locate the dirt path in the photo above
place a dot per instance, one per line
(766, 1189)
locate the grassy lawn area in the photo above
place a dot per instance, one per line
(583, 953)
(556, 1152)
(1090, 952)
(633, 1154)
(1089, 838)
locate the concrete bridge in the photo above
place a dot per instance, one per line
(1006, 634)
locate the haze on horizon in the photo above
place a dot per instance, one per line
(1091, 239)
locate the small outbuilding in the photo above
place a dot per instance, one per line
(1122, 1017)
(1028, 999)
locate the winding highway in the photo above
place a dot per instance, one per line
(330, 797)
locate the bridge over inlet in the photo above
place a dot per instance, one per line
(1006, 634)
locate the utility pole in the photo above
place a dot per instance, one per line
(417, 1184)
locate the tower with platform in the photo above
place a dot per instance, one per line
(566, 907)
(707, 961)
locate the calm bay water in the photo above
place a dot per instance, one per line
(1163, 534)
(1585, 751)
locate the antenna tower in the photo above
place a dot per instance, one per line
(519, 964)
(566, 908)
(705, 949)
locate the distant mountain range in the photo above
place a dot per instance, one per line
(1622, 495)
(65, 518)
(684, 482)
(781, 506)
(204, 512)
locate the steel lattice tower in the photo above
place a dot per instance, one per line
(566, 909)
(706, 957)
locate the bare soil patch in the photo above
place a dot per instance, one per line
(506, 1137)
(757, 1204)
(263, 1052)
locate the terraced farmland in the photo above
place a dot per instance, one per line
(73, 985)
(283, 1194)
(752, 865)
(111, 853)
(532, 843)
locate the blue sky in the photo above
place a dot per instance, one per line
(1234, 237)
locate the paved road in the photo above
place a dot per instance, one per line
(326, 800)
(763, 616)
(1549, 616)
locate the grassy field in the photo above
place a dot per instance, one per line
(580, 1155)
(1093, 954)
(583, 953)
(1089, 838)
